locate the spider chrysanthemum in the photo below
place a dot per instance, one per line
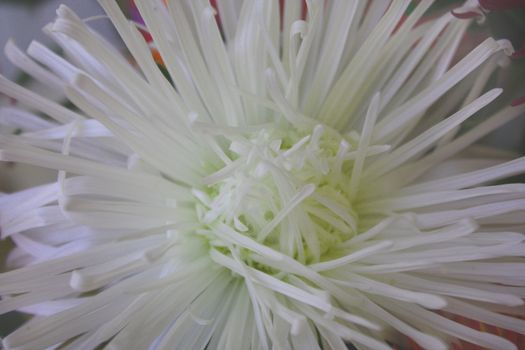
(291, 178)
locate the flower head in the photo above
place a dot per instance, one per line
(292, 183)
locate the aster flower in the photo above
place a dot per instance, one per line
(294, 183)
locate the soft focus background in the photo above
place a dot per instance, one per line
(22, 21)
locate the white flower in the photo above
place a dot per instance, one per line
(292, 189)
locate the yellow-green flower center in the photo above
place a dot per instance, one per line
(288, 190)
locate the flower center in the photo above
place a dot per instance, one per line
(291, 191)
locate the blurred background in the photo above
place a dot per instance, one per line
(22, 21)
